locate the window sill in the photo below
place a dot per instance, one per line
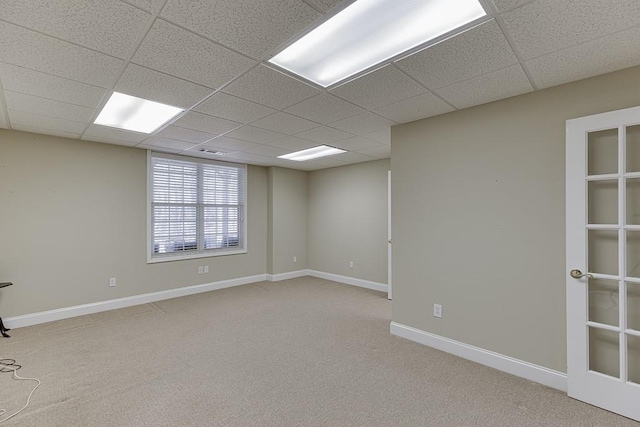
(170, 258)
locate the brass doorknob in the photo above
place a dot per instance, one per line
(577, 274)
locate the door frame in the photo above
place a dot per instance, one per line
(389, 251)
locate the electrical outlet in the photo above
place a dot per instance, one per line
(350, 264)
(112, 282)
(206, 269)
(295, 259)
(200, 270)
(437, 310)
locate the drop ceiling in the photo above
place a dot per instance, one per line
(60, 60)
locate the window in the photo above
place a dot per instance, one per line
(196, 208)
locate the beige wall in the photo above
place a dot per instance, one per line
(73, 214)
(288, 212)
(348, 220)
(478, 218)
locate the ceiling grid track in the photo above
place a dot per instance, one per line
(3, 104)
(132, 52)
(512, 44)
(212, 59)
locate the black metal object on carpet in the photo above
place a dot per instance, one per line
(4, 330)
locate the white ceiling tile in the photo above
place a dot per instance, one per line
(111, 27)
(233, 108)
(108, 134)
(54, 76)
(379, 151)
(148, 5)
(418, 107)
(324, 5)
(381, 87)
(382, 136)
(505, 5)
(500, 84)
(293, 143)
(206, 123)
(270, 87)
(346, 158)
(249, 158)
(254, 134)
(324, 135)
(621, 50)
(184, 134)
(182, 54)
(545, 26)
(285, 123)
(155, 86)
(289, 164)
(156, 141)
(356, 144)
(475, 52)
(33, 50)
(362, 123)
(252, 27)
(266, 150)
(161, 149)
(197, 152)
(23, 118)
(308, 165)
(47, 107)
(33, 129)
(24, 80)
(226, 144)
(324, 109)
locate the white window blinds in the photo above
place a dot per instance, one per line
(197, 207)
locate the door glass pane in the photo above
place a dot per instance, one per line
(633, 201)
(604, 352)
(603, 152)
(633, 148)
(603, 202)
(633, 306)
(603, 302)
(633, 253)
(603, 252)
(633, 357)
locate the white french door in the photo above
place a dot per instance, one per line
(603, 260)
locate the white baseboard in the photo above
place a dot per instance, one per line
(97, 307)
(382, 287)
(519, 368)
(81, 310)
(286, 276)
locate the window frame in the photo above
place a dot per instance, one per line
(151, 259)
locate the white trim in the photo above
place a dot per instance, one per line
(519, 368)
(214, 253)
(149, 192)
(389, 245)
(96, 307)
(286, 276)
(349, 280)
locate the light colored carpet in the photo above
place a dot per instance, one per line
(302, 352)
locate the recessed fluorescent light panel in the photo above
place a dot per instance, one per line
(369, 32)
(136, 114)
(312, 153)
